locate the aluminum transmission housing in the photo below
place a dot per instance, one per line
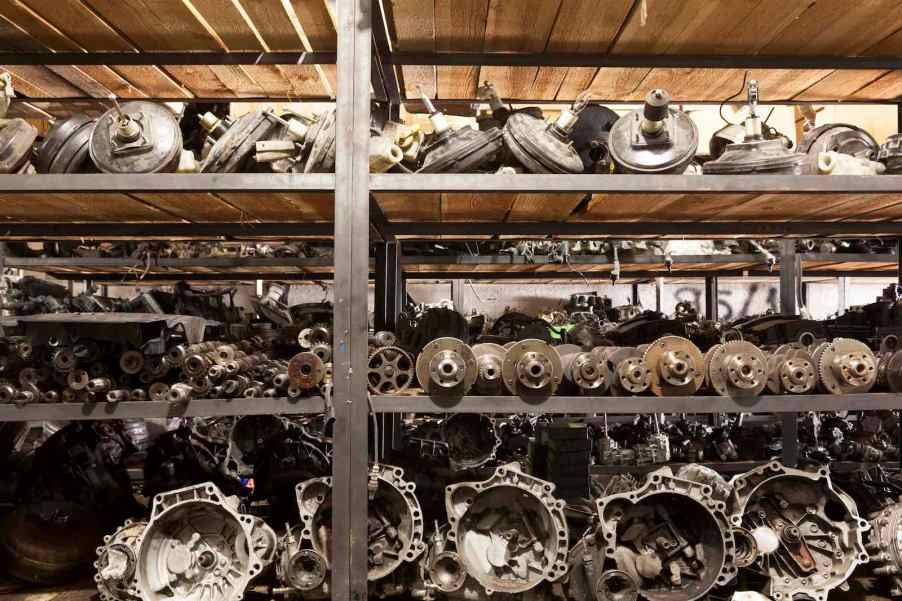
(197, 546)
(671, 537)
(509, 531)
(808, 533)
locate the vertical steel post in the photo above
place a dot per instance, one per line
(899, 261)
(457, 296)
(789, 270)
(349, 471)
(659, 294)
(2, 269)
(788, 273)
(711, 297)
(389, 289)
(635, 293)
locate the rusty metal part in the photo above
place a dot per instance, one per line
(676, 364)
(846, 366)
(585, 370)
(390, 370)
(180, 393)
(472, 440)
(306, 370)
(885, 546)
(628, 372)
(446, 366)
(791, 372)
(116, 563)
(131, 362)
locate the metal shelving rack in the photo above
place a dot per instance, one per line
(365, 61)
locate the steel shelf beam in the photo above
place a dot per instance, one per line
(168, 182)
(637, 184)
(638, 405)
(505, 259)
(730, 467)
(575, 274)
(155, 409)
(175, 262)
(248, 230)
(138, 277)
(167, 58)
(643, 61)
(452, 230)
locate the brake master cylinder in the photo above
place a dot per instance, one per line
(545, 147)
(137, 137)
(756, 153)
(457, 150)
(653, 139)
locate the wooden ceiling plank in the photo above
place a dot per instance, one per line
(411, 206)
(543, 207)
(198, 207)
(523, 26)
(840, 85)
(415, 32)
(471, 206)
(318, 23)
(155, 24)
(271, 21)
(886, 87)
(459, 26)
(229, 25)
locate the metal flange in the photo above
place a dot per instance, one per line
(846, 366)
(628, 372)
(532, 367)
(736, 369)
(390, 370)
(446, 366)
(489, 361)
(676, 364)
(306, 370)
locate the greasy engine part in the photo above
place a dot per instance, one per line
(116, 563)
(509, 530)
(137, 137)
(892, 371)
(489, 361)
(756, 153)
(532, 368)
(197, 545)
(890, 154)
(247, 436)
(736, 369)
(446, 367)
(585, 371)
(588, 580)
(17, 138)
(654, 139)
(235, 143)
(319, 144)
(65, 147)
(590, 136)
(442, 568)
(457, 150)
(390, 370)
(845, 366)
(395, 534)
(808, 534)
(838, 137)
(733, 133)
(671, 536)
(313, 336)
(472, 440)
(627, 370)
(49, 542)
(791, 372)
(545, 147)
(885, 545)
(306, 371)
(676, 365)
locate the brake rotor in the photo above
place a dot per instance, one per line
(234, 150)
(489, 361)
(446, 366)
(532, 367)
(676, 364)
(538, 147)
(306, 370)
(628, 372)
(737, 369)
(846, 366)
(894, 372)
(838, 137)
(390, 370)
(65, 148)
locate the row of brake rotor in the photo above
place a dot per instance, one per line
(669, 366)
